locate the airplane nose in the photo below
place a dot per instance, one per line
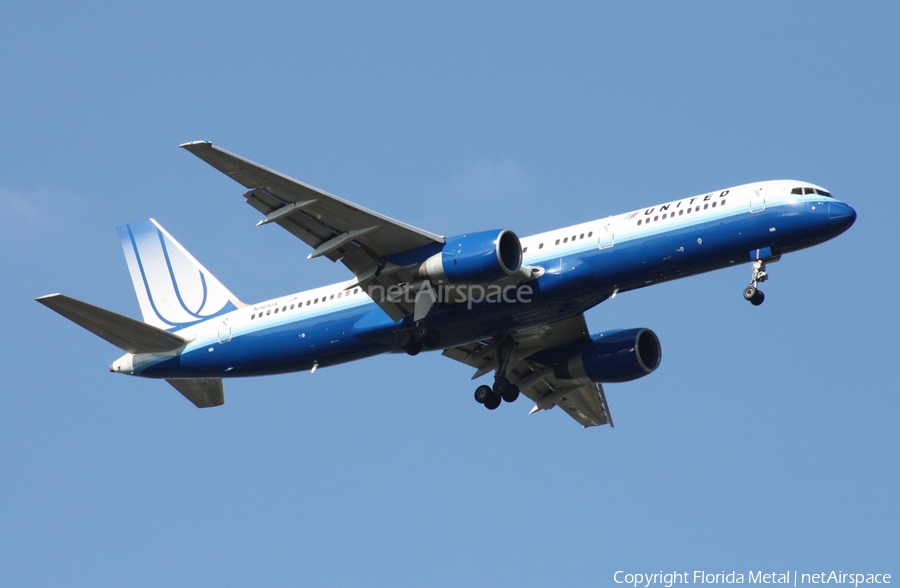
(841, 215)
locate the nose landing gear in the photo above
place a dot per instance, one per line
(752, 292)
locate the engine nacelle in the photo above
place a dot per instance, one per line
(614, 356)
(475, 258)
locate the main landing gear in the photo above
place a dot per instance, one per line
(502, 390)
(751, 292)
(491, 396)
(420, 336)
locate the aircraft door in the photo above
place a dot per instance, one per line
(224, 331)
(607, 234)
(758, 199)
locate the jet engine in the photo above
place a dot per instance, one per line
(621, 355)
(475, 258)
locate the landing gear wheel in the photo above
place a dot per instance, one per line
(432, 339)
(414, 348)
(501, 385)
(482, 394)
(421, 331)
(754, 295)
(404, 338)
(511, 394)
(492, 402)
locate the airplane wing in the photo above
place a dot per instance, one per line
(368, 243)
(530, 369)
(585, 403)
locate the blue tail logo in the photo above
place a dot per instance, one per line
(173, 289)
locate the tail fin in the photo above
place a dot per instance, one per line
(173, 289)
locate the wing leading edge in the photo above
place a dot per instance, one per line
(377, 249)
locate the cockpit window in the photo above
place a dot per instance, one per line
(811, 191)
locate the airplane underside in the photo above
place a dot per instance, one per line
(514, 307)
(570, 286)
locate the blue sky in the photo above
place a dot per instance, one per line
(767, 440)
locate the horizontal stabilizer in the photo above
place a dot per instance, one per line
(124, 332)
(203, 393)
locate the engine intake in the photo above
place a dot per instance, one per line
(475, 258)
(621, 355)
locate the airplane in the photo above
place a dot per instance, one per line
(488, 299)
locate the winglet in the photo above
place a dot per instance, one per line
(194, 144)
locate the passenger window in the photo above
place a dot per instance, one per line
(656, 218)
(639, 222)
(714, 204)
(582, 236)
(566, 240)
(557, 241)
(705, 206)
(541, 246)
(680, 212)
(524, 249)
(591, 234)
(268, 312)
(664, 216)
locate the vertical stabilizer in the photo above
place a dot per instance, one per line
(173, 289)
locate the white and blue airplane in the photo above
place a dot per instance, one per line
(500, 304)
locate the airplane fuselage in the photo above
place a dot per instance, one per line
(581, 266)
